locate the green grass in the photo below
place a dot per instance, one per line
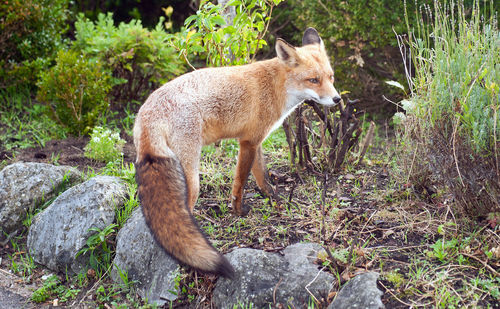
(457, 75)
(21, 263)
(25, 123)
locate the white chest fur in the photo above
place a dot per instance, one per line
(294, 99)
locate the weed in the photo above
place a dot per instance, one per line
(100, 254)
(395, 278)
(104, 145)
(52, 287)
(106, 294)
(123, 213)
(443, 250)
(21, 262)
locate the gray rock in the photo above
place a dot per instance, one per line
(264, 278)
(59, 232)
(360, 292)
(11, 300)
(138, 254)
(24, 186)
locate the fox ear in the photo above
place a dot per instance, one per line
(311, 36)
(286, 52)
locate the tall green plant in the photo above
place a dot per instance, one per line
(452, 121)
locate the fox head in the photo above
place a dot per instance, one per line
(310, 75)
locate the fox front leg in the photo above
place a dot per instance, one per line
(259, 171)
(246, 158)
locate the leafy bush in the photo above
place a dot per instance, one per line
(125, 10)
(140, 59)
(104, 145)
(221, 42)
(31, 32)
(76, 91)
(452, 128)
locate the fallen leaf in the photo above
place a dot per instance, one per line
(349, 177)
(387, 233)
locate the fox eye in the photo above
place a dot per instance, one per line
(314, 80)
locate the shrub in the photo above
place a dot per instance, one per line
(31, 32)
(138, 58)
(222, 41)
(76, 91)
(104, 145)
(451, 128)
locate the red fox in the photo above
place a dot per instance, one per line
(201, 107)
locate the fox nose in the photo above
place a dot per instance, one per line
(336, 99)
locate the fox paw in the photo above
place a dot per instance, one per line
(239, 208)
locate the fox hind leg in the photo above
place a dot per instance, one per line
(189, 156)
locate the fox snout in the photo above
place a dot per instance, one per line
(328, 100)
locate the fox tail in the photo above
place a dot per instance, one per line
(163, 193)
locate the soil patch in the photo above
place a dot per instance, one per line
(69, 151)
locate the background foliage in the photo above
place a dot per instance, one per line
(32, 32)
(139, 59)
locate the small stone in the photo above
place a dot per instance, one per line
(359, 292)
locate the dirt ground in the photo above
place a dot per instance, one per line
(66, 152)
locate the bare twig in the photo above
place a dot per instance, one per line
(494, 272)
(323, 201)
(454, 135)
(311, 282)
(275, 289)
(367, 141)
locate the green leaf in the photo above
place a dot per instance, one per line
(189, 20)
(197, 49)
(218, 20)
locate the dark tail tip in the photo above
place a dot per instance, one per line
(225, 269)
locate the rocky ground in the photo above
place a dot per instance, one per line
(359, 214)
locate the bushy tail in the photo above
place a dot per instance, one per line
(163, 195)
